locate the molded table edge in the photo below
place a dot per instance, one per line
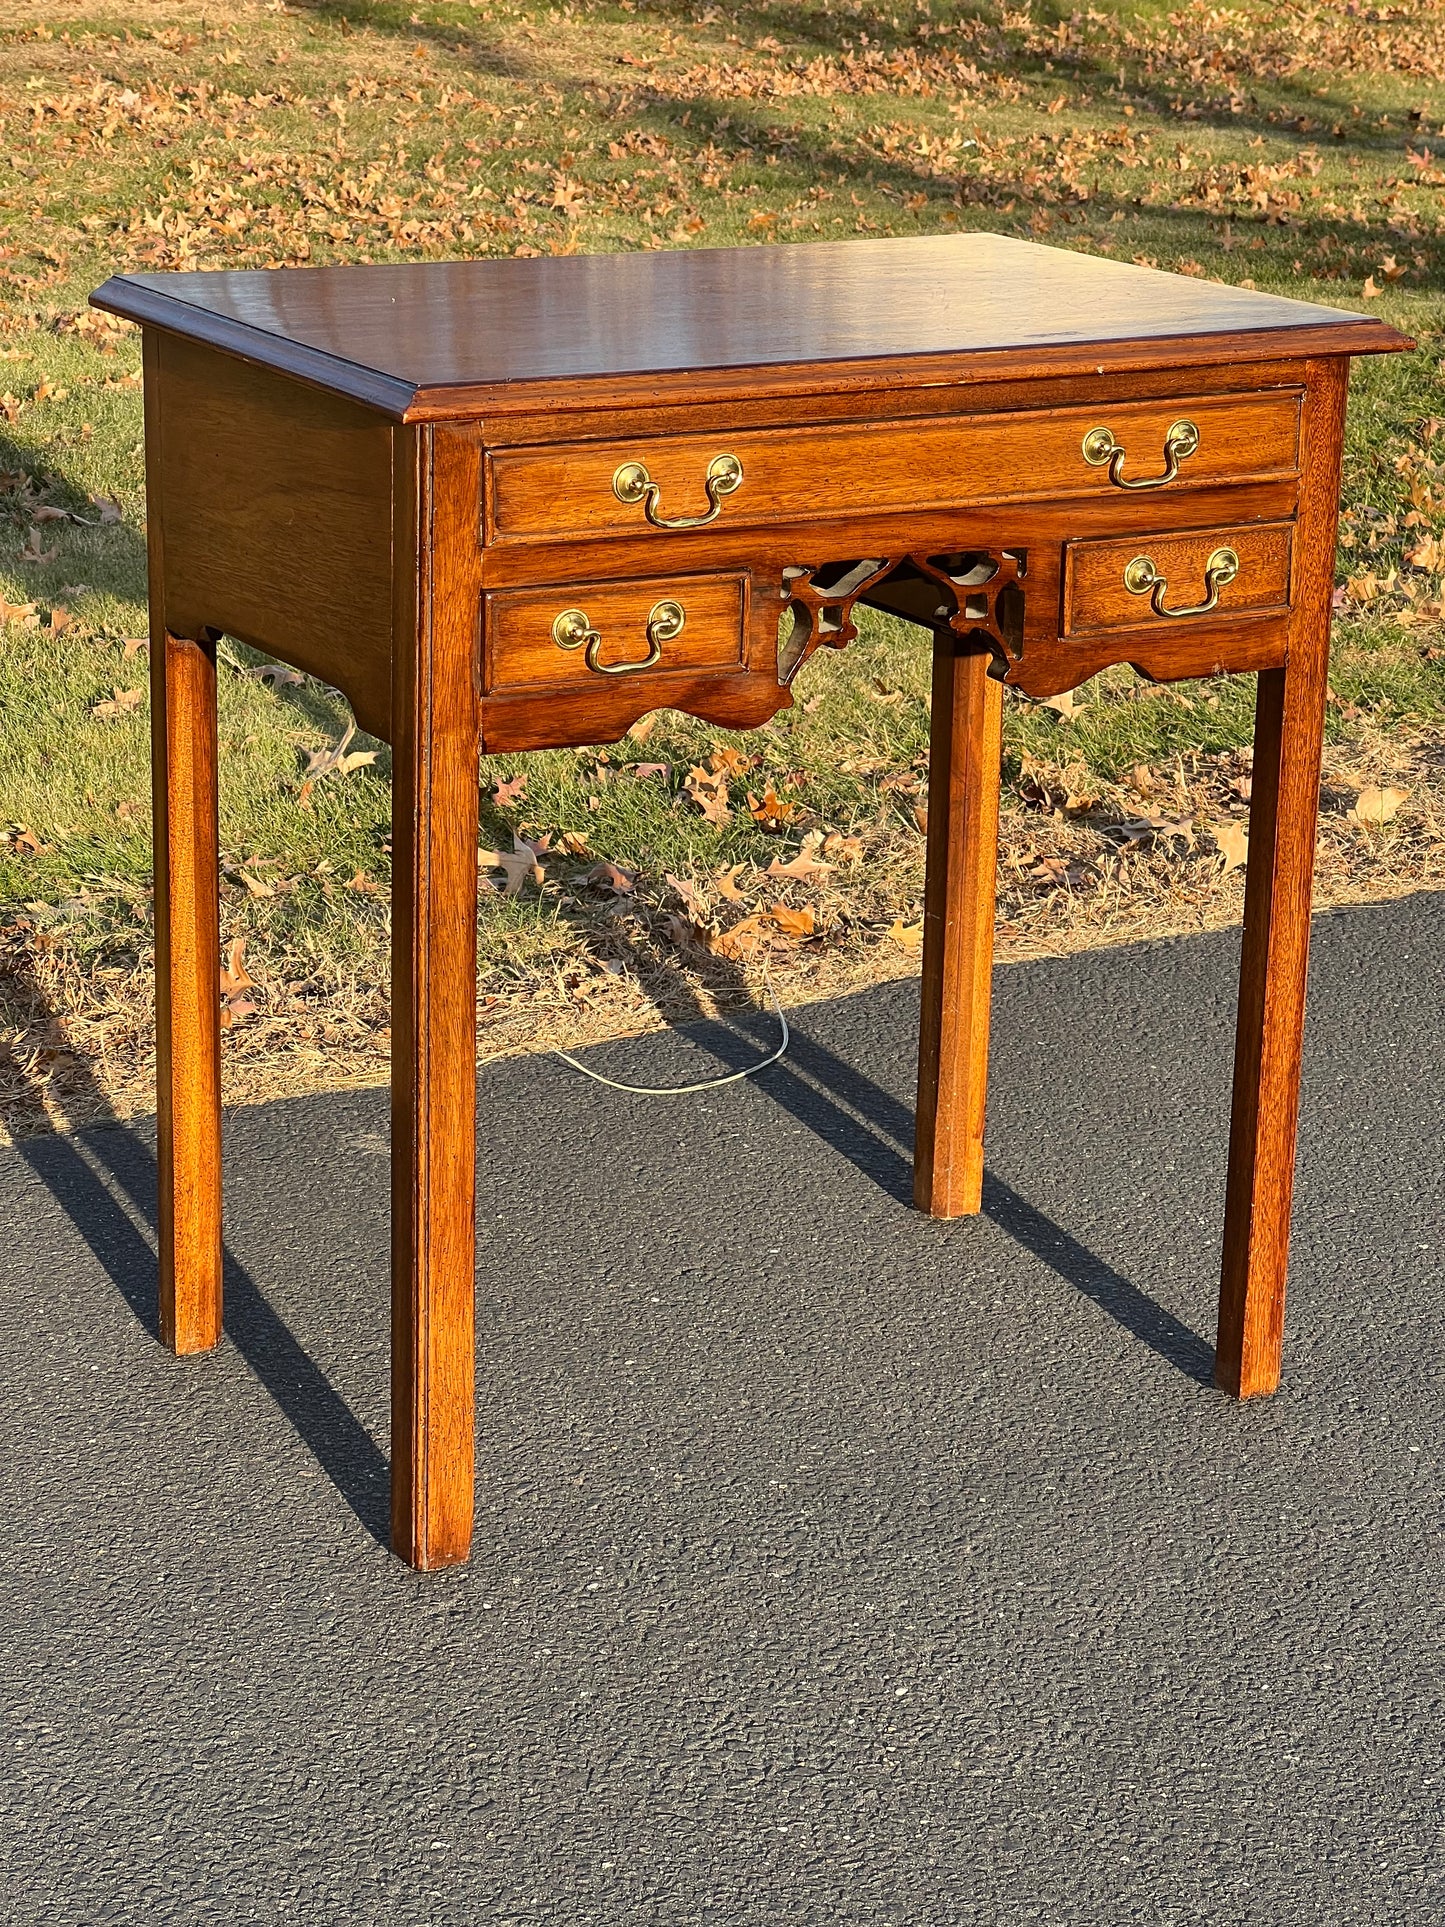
(405, 401)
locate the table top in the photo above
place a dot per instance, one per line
(428, 340)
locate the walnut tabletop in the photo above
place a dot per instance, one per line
(516, 504)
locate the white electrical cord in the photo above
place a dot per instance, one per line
(685, 1090)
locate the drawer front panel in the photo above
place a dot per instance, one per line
(637, 487)
(593, 634)
(1165, 582)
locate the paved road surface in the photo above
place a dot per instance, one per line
(833, 1566)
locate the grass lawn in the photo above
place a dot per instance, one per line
(1294, 148)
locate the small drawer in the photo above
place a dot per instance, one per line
(597, 633)
(1168, 581)
(1115, 450)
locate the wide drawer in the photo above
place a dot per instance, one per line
(594, 633)
(1168, 581)
(631, 487)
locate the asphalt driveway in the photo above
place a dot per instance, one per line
(832, 1565)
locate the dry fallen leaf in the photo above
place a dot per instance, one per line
(1232, 842)
(642, 728)
(119, 703)
(17, 612)
(908, 936)
(326, 762)
(276, 673)
(793, 923)
(235, 980)
(727, 882)
(607, 876)
(33, 555)
(1063, 704)
(803, 867)
(522, 861)
(843, 849)
(511, 790)
(769, 810)
(1376, 806)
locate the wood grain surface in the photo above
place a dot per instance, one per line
(433, 990)
(1097, 598)
(434, 339)
(276, 503)
(805, 473)
(184, 759)
(965, 748)
(521, 653)
(1284, 806)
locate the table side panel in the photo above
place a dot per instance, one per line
(276, 501)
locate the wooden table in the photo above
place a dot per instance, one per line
(504, 505)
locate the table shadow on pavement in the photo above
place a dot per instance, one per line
(832, 1564)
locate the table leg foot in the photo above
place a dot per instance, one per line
(958, 920)
(1289, 729)
(188, 1016)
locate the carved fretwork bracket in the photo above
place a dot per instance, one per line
(978, 593)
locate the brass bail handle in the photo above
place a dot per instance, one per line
(664, 621)
(632, 484)
(1101, 446)
(1142, 577)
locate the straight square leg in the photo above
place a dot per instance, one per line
(958, 920)
(188, 1002)
(1289, 729)
(434, 1066)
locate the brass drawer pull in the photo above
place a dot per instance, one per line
(1179, 444)
(665, 620)
(1143, 578)
(632, 483)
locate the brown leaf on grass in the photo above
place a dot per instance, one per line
(1232, 842)
(727, 761)
(33, 555)
(235, 981)
(134, 645)
(1377, 806)
(337, 761)
(641, 771)
(276, 673)
(697, 908)
(642, 728)
(743, 939)
(794, 923)
(120, 702)
(908, 936)
(1063, 704)
(24, 842)
(710, 793)
(46, 513)
(60, 618)
(522, 861)
(769, 811)
(510, 790)
(804, 867)
(727, 883)
(1144, 829)
(17, 612)
(1370, 289)
(607, 876)
(843, 849)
